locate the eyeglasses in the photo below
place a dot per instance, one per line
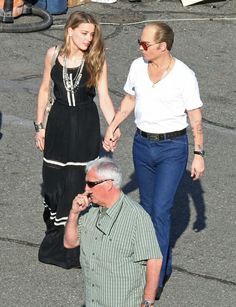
(92, 184)
(145, 45)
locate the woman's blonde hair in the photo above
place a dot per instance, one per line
(95, 54)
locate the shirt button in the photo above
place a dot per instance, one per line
(96, 238)
(93, 301)
(92, 285)
(99, 224)
(93, 254)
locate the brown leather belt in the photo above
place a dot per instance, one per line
(161, 136)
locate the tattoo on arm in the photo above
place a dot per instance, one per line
(199, 147)
(199, 127)
(123, 113)
(197, 130)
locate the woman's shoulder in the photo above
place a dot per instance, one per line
(52, 51)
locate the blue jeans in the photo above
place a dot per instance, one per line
(159, 167)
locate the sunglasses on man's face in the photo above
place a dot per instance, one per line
(145, 45)
(92, 184)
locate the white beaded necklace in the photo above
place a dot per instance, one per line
(71, 84)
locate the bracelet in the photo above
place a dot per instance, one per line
(147, 303)
(199, 152)
(38, 127)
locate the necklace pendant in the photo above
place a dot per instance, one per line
(71, 83)
(68, 85)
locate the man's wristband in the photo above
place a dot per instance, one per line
(199, 152)
(38, 127)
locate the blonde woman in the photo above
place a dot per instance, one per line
(72, 136)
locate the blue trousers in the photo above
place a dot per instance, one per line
(159, 167)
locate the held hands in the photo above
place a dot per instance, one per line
(80, 203)
(111, 139)
(198, 167)
(39, 139)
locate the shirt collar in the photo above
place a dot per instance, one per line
(106, 220)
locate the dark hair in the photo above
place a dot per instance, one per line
(163, 33)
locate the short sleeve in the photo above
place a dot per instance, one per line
(191, 95)
(145, 245)
(82, 220)
(129, 85)
(80, 226)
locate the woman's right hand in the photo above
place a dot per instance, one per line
(39, 139)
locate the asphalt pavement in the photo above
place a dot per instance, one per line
(204, 216)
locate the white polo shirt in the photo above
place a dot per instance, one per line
(162, 108)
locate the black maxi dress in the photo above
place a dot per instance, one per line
(72, 139)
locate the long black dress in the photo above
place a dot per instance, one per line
(72, 139)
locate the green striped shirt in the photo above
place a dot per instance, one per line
(115, 245)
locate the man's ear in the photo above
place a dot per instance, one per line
(110, 184)
(163, 46)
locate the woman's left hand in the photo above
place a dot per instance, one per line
(107, 140)
(116, 137)
(110, 139)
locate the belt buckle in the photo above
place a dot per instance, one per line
(153, 137)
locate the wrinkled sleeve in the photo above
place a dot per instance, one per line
(191, 95)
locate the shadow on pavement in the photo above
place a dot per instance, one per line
(131, 185)
(187, 191)
(181, 211)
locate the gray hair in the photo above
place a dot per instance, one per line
(106, 168)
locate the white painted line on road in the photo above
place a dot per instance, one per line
(151, 20)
